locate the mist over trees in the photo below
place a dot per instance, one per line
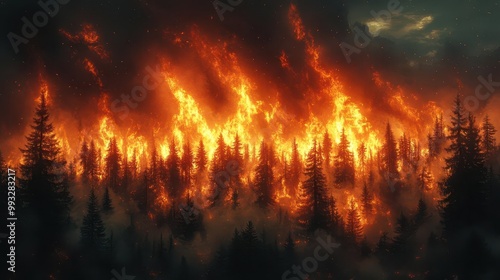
(185, 216)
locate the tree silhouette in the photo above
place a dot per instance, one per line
(354, 228)
(389, 153)
(107, 205)
(186, 165)
(201, 158)
(488, 141)
(264, 178)
(174, 187)
(344, 162)
(293, 178)
(422, 214)
(327, 150)
(366, 200)
(43, 189)
(93, 233)
(113, 165)
(236, 150)
(313, 198)
(402, 232)
(463, 189)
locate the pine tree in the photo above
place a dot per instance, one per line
(366, 200)
(354, 228)
(422, 214)
(424, 179)
(264, 178)
(362, 159)
(107, 205)
(337, 223)
(389, 153)
(464, 189)
(93, 233)
(344, 162)
(327, 150)
(174, 188)
(402, 232)
(44, 191)
(295, 170)
(201, 160)
(127, 174)
(187, 162)
(383, 247)
(235, 199)
(93, 160)
(249, 236)
(113, 165)
(236, 150)
(84, 155)
(488, 141)
(314, 205)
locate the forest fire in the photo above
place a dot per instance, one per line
(239, 155)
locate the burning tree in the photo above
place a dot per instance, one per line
(264, 177)
(344, 162)
(313, 198)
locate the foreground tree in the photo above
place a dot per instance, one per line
(463, 190)
(44, 190)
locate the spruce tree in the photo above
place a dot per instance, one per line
(464, 188)
(201, 158)
(344, 162)
(264, 178)
(314, 205)
(354, 228)
(327, 150)
(488, 141)
(113, 165)
(362, 159)
(422, 215)
(174, 187)
(187, 162)
(93, 233)
(366, 200)
(295, 170)
(107, 205)
(236, 153)
(389, 153)
(44, 192)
